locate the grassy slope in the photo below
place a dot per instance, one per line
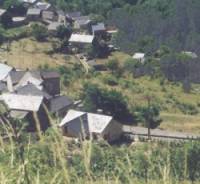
(28, 53)
(167, 96)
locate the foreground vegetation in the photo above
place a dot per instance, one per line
(51, 158)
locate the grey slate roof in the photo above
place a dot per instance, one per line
(2, 11)
(73, 14)
(98, 27)
(36, 74)
(16, 76)
(31, 89)
(54, 25)
(33, 11)
(49, 15)
(82, 18)
(3, 87)
(60, 12)
(59, 102)
(49, 74)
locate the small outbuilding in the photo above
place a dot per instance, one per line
(89, 125)
(139, 57)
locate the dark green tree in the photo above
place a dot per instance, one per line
(150, 116)
(39, 32)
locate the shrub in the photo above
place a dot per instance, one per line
(39, 32)
(110, 80)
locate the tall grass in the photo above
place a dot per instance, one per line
(56, 159)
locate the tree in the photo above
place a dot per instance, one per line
(39, 32)
(63, 32)
(113, 65)
(130, 64)
(150, 116)
(6, 20)
(111, 102)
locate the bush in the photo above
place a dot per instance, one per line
(39, 32)
(110, 80)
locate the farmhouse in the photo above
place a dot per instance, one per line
(88, 125)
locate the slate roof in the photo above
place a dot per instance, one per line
(96, 122)
(2, 11)
(32, 77)
(98, 27)
(79, 38)
(83, 20)
(54, 25)
(60, 12)
(4, 71)
(22, 102)
(49, 74)
(43, 5)
(59, 102)
(73, 14)
(3, 87)
(138, 55)
(48, 15)
(33, 11)
(31, 89)
(29, 1)
(16, 76)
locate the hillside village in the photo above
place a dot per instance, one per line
(32, 94)
(99, 92)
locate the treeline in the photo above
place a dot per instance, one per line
(100, 7)
(148, 25)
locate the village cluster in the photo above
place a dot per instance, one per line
(33, 95)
